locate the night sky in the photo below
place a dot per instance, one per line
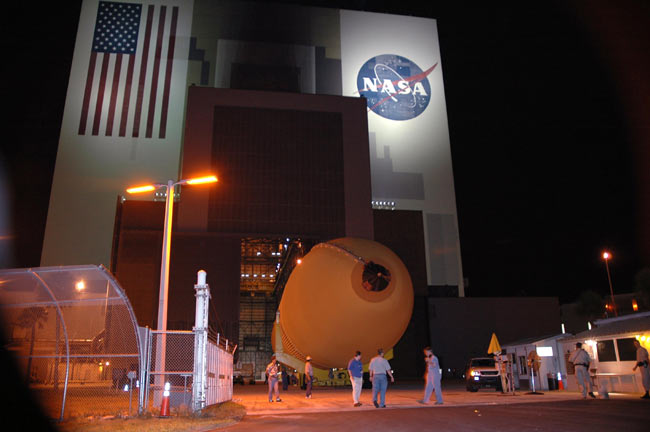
(546, 171)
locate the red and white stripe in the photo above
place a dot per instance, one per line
(128, 95)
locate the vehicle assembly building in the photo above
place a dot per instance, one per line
(320, 124)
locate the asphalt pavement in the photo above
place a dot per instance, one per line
(330, 409)
(624, 415)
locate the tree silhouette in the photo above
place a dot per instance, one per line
(642, 285)
(590, 304)
(31, 318)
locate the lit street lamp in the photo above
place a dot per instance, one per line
(161, 347)
(167, 238)
(606, 257)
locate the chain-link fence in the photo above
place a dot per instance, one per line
(75, 338)
(171, 359)
(170, 356)
(74, 335)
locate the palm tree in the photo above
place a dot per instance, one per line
(642, 285)
(30, 318)
(590, 304)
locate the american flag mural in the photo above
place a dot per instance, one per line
(129, 75)
(123, 118)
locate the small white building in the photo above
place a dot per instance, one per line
(610, 345)
(549, 350)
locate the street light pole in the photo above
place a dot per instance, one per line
(606, 257)
(164, 261)
(163, 294)
(167, 238)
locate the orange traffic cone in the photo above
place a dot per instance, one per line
(164, 406)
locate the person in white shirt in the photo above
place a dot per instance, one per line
(581, 361)
(433, 377)
(642, 361)
(309, 377)
(272, 370)
(378, 369)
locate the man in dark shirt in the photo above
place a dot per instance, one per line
(355, 369)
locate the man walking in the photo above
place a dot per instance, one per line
(378, 368)
(581, 361)
(432, 377)
(272, 375)
(355, 369)
(642, 361)
(309, 376)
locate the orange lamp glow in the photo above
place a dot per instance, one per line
(635, 305)
(607, 255)
(140, 189)
(80, 286)
(201, 180)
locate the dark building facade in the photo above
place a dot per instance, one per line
(293, 171)
(461, 328)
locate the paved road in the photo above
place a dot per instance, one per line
(624, 415)
(402, 395)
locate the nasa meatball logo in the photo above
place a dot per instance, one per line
(394, 86)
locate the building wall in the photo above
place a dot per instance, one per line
(286, 180)
(410, 157)
(548, 365)
(330, 163)
(137, 267)
(402, 231)
(291, 166)
(461, 328)
(125, 123)
(136, 262)
(119, 129)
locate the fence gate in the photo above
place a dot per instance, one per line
(219, 375)
(170, 358)
(198, 367)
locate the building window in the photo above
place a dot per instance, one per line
(251, 344)
(626, 349)
(606, 352)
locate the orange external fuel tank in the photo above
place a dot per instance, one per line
(347, 294)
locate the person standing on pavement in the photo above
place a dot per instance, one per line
(285, 379)
(432, 377)
(642, 362)
(309, 376)
(378, 369)
(272, 376)
(581, 361)
(355, 369)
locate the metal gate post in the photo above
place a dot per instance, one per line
(199, 383)
(145, 365)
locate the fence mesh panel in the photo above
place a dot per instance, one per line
(176, 350)
(178, 370)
